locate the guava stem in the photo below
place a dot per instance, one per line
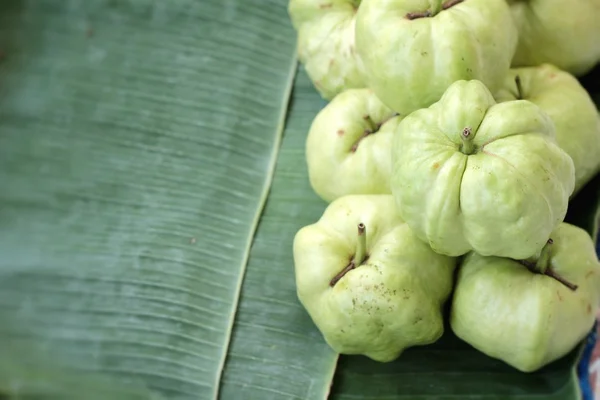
(361, 245)
(359, 256)
(519, 88)
(341, 274)
(542, 266)
(436, 6)
(451, 3)
(366, 133)
(550, 272)
(417, 15)
(468, 147)
(379, 125)
(369, 131)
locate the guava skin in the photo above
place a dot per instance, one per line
(569, 106)
(325, 30)
(563, 33)
(348, 148)
(527, 319)
(503, 197)
(409, 63)
(392, 301)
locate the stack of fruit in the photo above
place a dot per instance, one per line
(455, 135)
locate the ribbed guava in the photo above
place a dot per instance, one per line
(348, 149)
(529, 313)
(368, 283)
(471, 174)
(325, 30)
(570, 107)
(413, 50)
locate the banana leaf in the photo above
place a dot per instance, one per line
(152, 179)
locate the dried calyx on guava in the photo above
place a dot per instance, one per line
(325, 30)
(470, 174)
(562, 33)
(529, 313)
(348, 148)
(368, 283)
(569, 105)
(413, 50)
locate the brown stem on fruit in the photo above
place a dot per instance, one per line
(359, 258)
(342, 273)
(550, 272)
(370, 131)
(417, 15)
(426, 14)
(519, 88)
(451, 3)
(541, 266)
(366, 133)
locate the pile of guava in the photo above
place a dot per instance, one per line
(454, 136)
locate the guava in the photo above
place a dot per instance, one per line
(470, 174)
(569, 106)
(529, 313)
(563, 33)
(348, 149)
(412, 50)
(368, 283)
(325, 36)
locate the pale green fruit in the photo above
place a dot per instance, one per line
(470, 174)
(409, 63)
(391, 300)
(558, 32)
(569, 106)
(326, 48)
(348, 149)
(529, 319)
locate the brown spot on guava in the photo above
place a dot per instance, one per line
(559, 296)
(340, 132)
(436, 165)
(365, 117)
(589, 308)
(325, 6)
(331, 62)
(552, 75)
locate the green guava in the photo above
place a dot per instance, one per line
(413, 50)
(470, 174)
(569, 106)
(325, 30)
(368, 283)
(348, 149)
(562, 33)
(529, 313)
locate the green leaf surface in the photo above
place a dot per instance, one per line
(137, 142)
(277, 352)
(450, 370)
